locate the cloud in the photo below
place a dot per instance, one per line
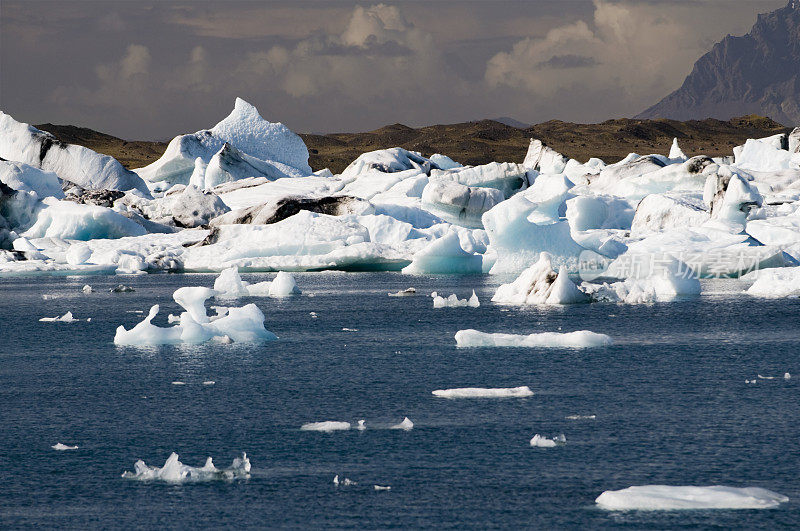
(636, 50)
(378, 54)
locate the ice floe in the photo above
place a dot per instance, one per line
(482, 392)
(66, 318)
(454, 302)
(404, 293)
(577, 339)
(61, 446)
(326, 426)
(668, 497)
(174, 471)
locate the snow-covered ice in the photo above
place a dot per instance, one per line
(483, 392)
(669, 497)
(174, 471)
(577, 339)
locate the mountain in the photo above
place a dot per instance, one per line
(483, 141)
(758, 73)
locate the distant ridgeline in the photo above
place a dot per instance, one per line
(756, 73)
(482, 141)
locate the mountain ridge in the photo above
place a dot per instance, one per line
(755, 73)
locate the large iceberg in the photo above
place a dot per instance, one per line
(21, 142)
(242, 139)
(669, 497)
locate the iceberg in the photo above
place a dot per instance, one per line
(579, 339)
(30, 179)
(230, 285)
(21, 142)
(539, 284)
(245, 324)
(544, 159)
(778, 282)
(454, 302)
(444, 255)
(60, 446)
(459, 204)
(405, 425)
(243, 129)
(538, 441)
(518, 241)
(668, 498)
(66, 318)
(326, 426)
(68, 220)
(481, 392)
(174, 471)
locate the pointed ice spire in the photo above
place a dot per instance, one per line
(675, 153)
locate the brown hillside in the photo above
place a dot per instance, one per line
(484, 141)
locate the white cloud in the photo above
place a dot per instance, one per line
(637, 50)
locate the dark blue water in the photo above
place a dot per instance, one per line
(670, 399)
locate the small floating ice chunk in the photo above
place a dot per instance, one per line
(349, 329)
(787, 376)
(404, 293)
(766, 377)
(283, 285)
(326, 426)
(60, 446)
(543, 442)
(87, 289)
(245, 324)
(750, 381)
(405, 425)
(668, 497)
(481, 392)
(578, 339)
(454, 302)
(346, 482)
(209, 382)
(121, 288)
(313, 315)
(66, 318)
(174, 471)
(581, 417)
(178, 382)
(380, 487)
(362, 425)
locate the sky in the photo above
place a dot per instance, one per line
(154, 69)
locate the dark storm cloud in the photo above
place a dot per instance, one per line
(569, 61)
(155, 69)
